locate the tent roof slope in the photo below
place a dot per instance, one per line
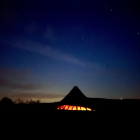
(74, 96)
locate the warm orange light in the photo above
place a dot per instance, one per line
(69, 107)
(66, 108)
(88, 109)
(83, 108)
(74, 108)
(63, 107)
(78, 108)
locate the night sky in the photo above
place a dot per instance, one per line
(48, 47)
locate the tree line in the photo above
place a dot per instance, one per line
(7, 100)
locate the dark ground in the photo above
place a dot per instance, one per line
(114, 118)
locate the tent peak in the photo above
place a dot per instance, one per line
(74, 96)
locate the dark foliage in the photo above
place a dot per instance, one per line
(6, 101)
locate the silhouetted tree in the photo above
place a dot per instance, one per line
(31, 101)
(20, 101)
(38, 101)
(6, 101)
(27, 102)
(34, 102)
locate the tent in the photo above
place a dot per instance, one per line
(75, 100)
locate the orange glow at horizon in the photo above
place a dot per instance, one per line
(69, 107)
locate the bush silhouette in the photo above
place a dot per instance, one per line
(33, 102)
(6, 101)
(20, 101)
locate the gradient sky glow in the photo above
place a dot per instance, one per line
(48, 47)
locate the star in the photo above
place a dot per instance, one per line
(13, 46)
(67, 46)
(82, 38)
(111, 10)
(21, 64)
(104, 65)
(138, 33)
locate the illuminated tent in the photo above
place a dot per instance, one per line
(75, 100)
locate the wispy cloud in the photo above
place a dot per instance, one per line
(6, 83)
(15, 74)
(16, 79)
(47, 51)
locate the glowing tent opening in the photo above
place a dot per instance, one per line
(69, 107)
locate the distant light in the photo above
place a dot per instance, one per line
(121, 98)
(82, 38)
(111, 10)
(138, 33)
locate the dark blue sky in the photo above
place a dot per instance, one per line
(47, 47)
